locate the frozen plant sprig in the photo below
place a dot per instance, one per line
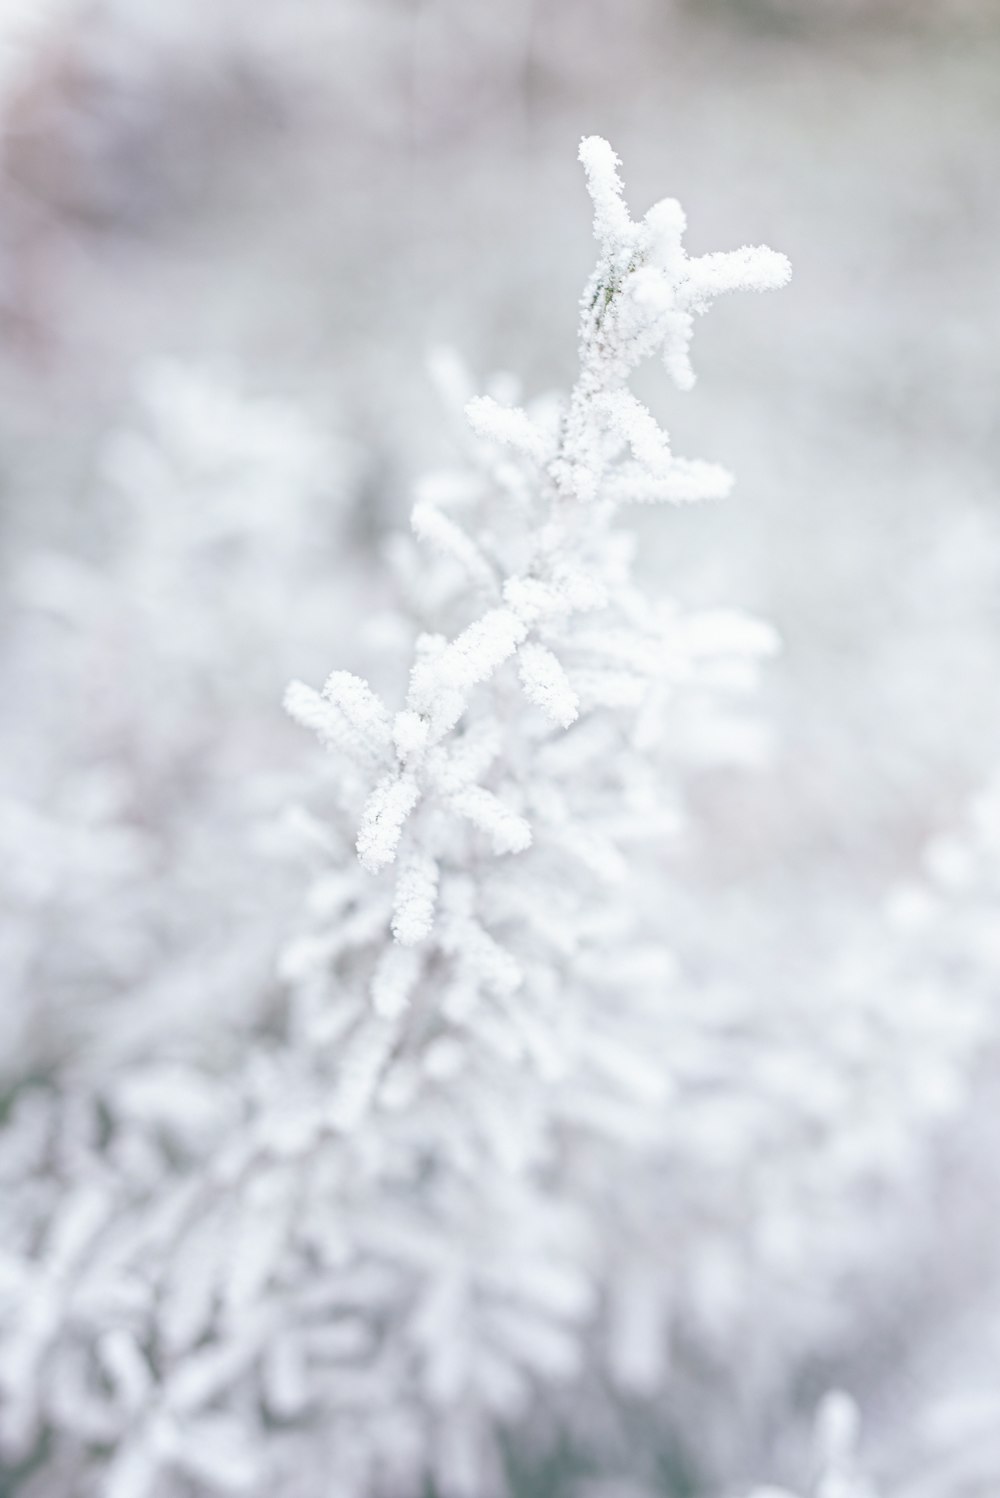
(397, 1218)
(640, 300)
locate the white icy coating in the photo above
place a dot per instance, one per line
(823, 1057)
(494, 1144)
(363, 1249)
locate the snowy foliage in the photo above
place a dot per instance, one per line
(803, 1190)
(145, 756)
(364, 1249)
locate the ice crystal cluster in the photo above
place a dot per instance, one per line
(427, 1188)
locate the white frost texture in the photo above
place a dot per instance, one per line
(362, 1132)
(395, 1217)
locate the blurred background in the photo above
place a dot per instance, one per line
(231, 231)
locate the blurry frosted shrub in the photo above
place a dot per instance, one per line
(147, 672)
(354, 1255)
(907, 1033)
(336, 1195)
